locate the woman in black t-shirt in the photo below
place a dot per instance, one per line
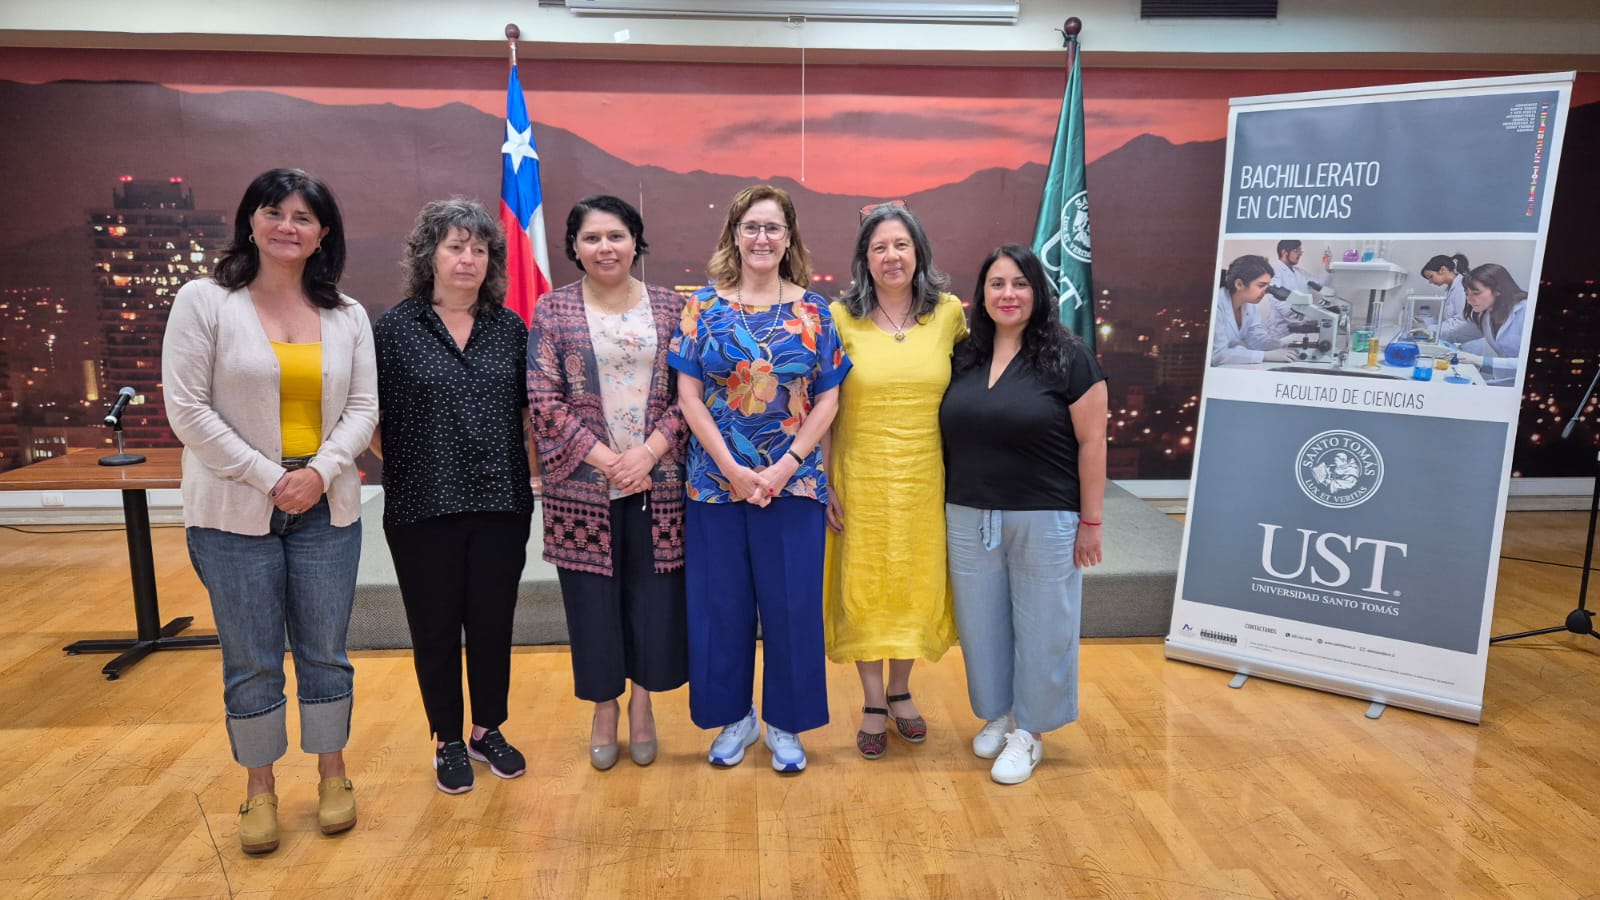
(1024, 425)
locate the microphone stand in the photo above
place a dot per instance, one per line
(1580, 620)
(121, 457)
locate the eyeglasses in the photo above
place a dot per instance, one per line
(774, 230)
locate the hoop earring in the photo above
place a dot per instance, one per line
(252, 239)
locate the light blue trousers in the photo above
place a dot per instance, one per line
(1018, 598)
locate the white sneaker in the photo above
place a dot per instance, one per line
(1017, 761)
(993, 736)
(788, 755)
(728, 749)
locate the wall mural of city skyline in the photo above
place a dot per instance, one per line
(124, 169)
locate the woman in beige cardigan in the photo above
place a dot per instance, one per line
(271, 386)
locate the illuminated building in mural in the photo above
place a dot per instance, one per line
(144, 247)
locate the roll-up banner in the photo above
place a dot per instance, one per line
(1377, 271)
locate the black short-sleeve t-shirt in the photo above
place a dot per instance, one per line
(1012, 446)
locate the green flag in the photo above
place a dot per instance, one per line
(1061, 237)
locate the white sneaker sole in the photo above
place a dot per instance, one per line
(1012, 777)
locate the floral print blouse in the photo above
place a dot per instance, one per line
(762, 367)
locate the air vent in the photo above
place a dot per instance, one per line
(1208, 9)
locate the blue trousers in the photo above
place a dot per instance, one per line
(1018, 597)
(742, 560)
(299, 577)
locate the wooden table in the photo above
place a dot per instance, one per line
(81, 470)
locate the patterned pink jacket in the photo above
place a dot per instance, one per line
(568, 420)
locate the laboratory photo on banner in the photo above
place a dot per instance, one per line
(1438, 308)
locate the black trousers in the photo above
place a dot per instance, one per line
(631, 625)
(460, 572)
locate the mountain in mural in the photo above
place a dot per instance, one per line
(1155, 204)
(385, 161)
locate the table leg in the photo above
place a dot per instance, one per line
(152, 635)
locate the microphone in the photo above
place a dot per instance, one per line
(114, 417)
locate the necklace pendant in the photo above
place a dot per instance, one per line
(899, 337)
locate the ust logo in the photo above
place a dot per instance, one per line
(1339, 469)
(1328, 559)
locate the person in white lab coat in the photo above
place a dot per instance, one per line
(1491, 332)
(1237, 338)
(1286, 273)
(1450, 273)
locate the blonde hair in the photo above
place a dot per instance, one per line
(725, 266)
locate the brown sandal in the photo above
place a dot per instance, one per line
(915, 729)
(873, 746)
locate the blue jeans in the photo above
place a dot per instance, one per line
(299, 577)
(1018, 596)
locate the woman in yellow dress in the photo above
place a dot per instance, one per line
(886, 593)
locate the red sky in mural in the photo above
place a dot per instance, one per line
(926, 126)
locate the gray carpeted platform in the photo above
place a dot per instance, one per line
(1130, 595)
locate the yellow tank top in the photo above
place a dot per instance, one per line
(299, 397)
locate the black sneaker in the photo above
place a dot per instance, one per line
(504, 760)
(454, 772)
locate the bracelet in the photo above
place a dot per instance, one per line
(797, 457)
(653, 455)
(1087, 522)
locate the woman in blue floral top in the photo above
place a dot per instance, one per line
(759, 364)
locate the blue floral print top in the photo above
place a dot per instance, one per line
(762, 367)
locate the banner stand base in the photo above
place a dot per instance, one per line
(1260, 667)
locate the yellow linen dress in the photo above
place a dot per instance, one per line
(886, 592)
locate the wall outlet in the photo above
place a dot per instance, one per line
(52, 498)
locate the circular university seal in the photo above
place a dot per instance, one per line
(1074, 232)
(1339, 469)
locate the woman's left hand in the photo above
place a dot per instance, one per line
(1086, 549)
(297, 491)
(631, 471)
(774, 478)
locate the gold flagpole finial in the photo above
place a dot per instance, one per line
(512, 33)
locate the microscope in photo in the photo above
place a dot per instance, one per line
(1319, 327)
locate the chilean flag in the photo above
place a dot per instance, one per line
(522, 208)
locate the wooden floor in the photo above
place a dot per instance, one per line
(1171, 785)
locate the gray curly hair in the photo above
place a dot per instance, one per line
(433, 227)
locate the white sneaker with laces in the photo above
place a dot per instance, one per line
(993, 737)
(788, 755)
(1017, 761)
(728, 748)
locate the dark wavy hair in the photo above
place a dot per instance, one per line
(434, 224)
(1047, 345)
(241, 263)
(726, 268)
(605, 203)
(1507, 294)
(926, 282)
(1245, 269)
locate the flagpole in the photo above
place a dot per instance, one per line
(535, 465)
(1070, 30)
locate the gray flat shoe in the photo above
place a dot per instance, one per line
(643, 753)
(603, 757)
